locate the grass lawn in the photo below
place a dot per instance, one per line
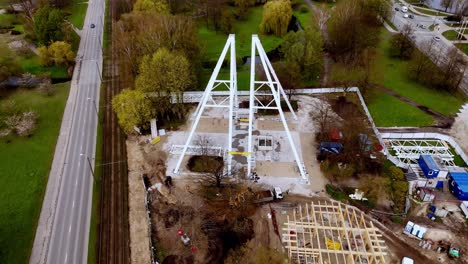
(388, 111)
(212, 43)
(389, 22)
(450, 34)
(430, 12)
(304, 18)
(32, 66)
(7, 19)
(395, 78)
(77, 11)
(25, 165)
(243, 78)
(463, 47)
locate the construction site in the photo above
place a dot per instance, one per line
(241, 182)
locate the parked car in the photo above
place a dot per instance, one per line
(93, 26)
(436, 38)
(397, 9)
(404, 9)
(411, 16)
(407, 260)
(422, 26)
(405, 15)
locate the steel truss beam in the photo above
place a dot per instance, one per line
(227, 101)
(409, 150)
(271, 88)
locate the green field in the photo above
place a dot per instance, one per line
(25, 165)
(463, 47)
(77, 11)
(388, 111)
(429, 12)
(243, 78)
(32, 66)
(212, 43)
(395, 78)
(305, 19)
(450, 34)
(389, 22)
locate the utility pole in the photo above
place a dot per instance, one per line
(90, 167)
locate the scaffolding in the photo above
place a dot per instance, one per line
(331, 232)
(409, 150)
(223, 100)
(267, 95)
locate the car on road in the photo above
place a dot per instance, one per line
(405, 15)
(404, 9)
(422, 26)
(411, 16)
(436, 38)
(93, 26)
(407, 260)
(397, 9)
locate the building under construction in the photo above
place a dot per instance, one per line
(332, 232)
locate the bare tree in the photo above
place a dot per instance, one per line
(420, 64)
(323, 117)
(323, 15)
(447, 4)
(453, 69)
(204, 144)
(27, 6)
(401, 44)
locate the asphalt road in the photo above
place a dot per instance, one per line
(69, 235)
(440, 47)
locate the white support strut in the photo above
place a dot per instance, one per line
(208, 101)
(277, 92)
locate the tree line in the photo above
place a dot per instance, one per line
(446, 73)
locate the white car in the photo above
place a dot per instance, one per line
(407, 260)
(404, 9)
(405, 16)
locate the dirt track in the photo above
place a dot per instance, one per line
(113, 244)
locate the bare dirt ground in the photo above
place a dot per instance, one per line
(139, 232)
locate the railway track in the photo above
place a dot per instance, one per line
(113, 244)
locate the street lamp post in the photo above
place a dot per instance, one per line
(90, 166)
(89, 163)
(95, 107)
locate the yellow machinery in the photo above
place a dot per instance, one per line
(334, 245)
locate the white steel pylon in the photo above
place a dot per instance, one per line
(207, 101)
(269, 88)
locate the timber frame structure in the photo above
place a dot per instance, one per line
(331, 232)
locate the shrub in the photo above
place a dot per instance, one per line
(58, 53)
(303, 9)
(335, 193)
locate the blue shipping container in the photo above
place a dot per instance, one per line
(458, 184)
(428, 166)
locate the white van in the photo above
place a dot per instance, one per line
(407, 260)
(404, 9)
